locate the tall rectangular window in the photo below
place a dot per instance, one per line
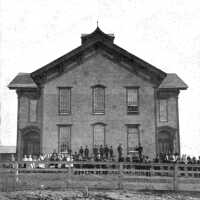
(98, 99)
(64, 100)
(163, 104)
(133, 137)
(99, 134)
(64, 138)
(32, 110)
(132, 95)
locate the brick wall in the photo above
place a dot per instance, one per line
(99, 70)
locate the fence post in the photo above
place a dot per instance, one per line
(16, 170)
(120, 186)
(151, 170)
(175, 178)
(68, 173)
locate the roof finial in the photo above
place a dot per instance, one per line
(97, 24)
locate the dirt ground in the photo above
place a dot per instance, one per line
(97, 195)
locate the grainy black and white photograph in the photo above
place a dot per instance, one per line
(99, 100)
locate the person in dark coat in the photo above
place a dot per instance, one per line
(106, 151)
(140, 150)
(81, 151)
(101, 150)
(86, 152)
(111, 152)
(95, 152)
(120, 149)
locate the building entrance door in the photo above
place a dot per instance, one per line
(31, 144)
(165, 142)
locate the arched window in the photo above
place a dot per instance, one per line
(98, 99)
(99, 134)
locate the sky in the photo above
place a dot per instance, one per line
(163, 33)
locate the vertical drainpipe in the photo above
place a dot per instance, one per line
(155, 116)
(177, 121)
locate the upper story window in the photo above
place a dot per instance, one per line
(132, 95)
(64, 106)
(98, 99)
(163, 114)
(32, 110)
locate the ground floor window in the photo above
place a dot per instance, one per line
(99, 134)
(64, 138)
(133, 137)
(165, 142)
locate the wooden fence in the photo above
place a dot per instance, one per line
(102, 175)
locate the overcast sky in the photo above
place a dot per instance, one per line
(163, 33)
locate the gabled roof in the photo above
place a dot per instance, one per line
(172, 81)
(98, 39)
(22, 80)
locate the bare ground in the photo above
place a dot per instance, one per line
(97, 195)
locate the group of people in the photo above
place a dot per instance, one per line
(106, 153)
(176, 158)
(99, 153)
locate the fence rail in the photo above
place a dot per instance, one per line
(62, 174)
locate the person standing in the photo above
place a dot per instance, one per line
(101, 151)
(86, 152)
(140, 150)
(98, 155)
(106, 151)
(95, 151)
(81, 151)
(111, 152)
(120, 149)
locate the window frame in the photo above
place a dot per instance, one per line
(159, 104)
(104, 135)
(138, 100)
(70, 93)
(58, 127)
(127, 133)
(93, 100)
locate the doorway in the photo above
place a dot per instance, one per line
(165, 142)
(31, 144)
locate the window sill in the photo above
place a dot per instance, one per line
(133, 113)
(161, 121)
(64, 114)
(98, 113)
